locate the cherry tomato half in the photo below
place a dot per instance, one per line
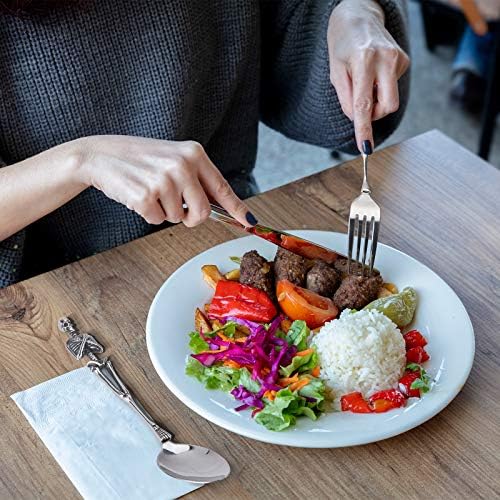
(300, 303)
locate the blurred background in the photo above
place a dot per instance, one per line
(452, 69)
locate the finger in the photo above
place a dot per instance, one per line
(343, 87)
(403, 64)
(171, 201)
(362, 80)
(387, 95)
(219, 190)
(149, 208)
(198, 206)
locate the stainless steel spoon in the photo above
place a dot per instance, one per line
(191, 463)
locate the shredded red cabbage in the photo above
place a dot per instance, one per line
(241, 407)
(251, 325)
(262, 350)
(275, 324)
(248, 398)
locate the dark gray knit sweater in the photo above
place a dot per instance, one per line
(206, 70)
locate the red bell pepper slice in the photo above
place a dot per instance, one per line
(243, 301)
(405, 384)
(383, 401)
(354, 402)
(267, 234)
(414, 338)
(416, 355)
(307, 250)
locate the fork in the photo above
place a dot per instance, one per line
(364, 222)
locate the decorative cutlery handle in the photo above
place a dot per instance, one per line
(106, 371)
(220, 215)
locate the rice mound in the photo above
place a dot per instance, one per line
(360, 351)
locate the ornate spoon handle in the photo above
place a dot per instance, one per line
(106, 371)
(80, 345)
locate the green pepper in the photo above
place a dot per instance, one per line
(399, 307)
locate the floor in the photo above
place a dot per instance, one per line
(281, 160)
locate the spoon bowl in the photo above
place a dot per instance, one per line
(195, 464)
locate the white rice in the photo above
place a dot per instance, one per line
(361, 351)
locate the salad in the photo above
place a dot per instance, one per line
(269, 371)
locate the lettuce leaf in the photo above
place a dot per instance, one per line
(247, 382)
(222, 377)
(300, 364)
(282, 412)
(314, 389)
(196, 343)
(274, 416)
(297, 335)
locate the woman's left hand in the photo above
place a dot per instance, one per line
(365, 64)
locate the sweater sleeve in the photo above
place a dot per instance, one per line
(11, 255)
(297, 97)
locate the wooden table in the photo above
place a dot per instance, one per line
(438, 203)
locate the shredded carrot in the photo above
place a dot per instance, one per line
(266, 371)
(305, 352)
(224, 338)
(285, 325)
(232, 364)
(270, 395)
(287, 381)
(240, 340)
(315, 371)
(298, 385)
(222, 349)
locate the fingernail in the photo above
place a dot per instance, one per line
(251, 218)
(367, 147)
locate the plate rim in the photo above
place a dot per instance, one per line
(286, 439)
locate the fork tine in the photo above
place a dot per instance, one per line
(366, 237)
(359, 234)
(350, 237)
(376, 226)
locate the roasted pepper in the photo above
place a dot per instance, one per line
(243, 301)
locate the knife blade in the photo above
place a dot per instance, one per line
(295, 244)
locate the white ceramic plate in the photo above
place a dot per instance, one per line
(441, 317)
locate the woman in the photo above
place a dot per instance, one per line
(112, 114)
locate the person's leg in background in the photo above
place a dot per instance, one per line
(470, 70)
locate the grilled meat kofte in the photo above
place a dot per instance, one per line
(355, 292)
(323, 279)
(341, 266)
(291, 267)
(257, 272)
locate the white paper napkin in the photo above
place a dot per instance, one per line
(101, 443)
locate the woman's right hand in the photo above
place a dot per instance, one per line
(155, 177)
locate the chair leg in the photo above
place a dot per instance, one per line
(427, 20)
(491, 102)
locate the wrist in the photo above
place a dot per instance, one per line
(360, 11)
(75, 161)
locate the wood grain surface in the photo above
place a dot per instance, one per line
(440, 204)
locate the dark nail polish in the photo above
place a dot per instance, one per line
(367, 147)
(251, 219)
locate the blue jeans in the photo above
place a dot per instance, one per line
(474, 53)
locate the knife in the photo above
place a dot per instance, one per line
(295, 244)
